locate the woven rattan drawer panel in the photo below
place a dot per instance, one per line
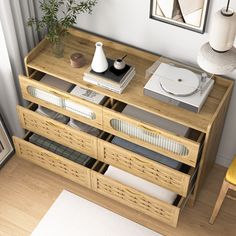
(96, 110)
(133, 198)
(133, 130)
(58, 132)
(52, 162)
(152, 171)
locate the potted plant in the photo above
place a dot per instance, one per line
(57, 17)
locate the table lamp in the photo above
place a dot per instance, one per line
(218, 56)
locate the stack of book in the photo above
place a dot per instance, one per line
(112, 79)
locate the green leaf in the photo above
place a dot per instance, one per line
(51, 9)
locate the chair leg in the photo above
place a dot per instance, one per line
(220, 199)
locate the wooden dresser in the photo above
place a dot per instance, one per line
(201, 144)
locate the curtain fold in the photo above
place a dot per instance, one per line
(16, 40)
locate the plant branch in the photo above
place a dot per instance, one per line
(57, 27)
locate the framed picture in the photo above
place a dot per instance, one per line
(188, 14)
(6, 146)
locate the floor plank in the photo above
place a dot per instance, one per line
(27, 191)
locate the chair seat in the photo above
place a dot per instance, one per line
(231, 173)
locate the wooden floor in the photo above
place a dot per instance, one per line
(27, 191)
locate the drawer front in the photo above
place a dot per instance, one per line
(61, 102)
(156, 139)
(52, 162)
(133, 198)
(58, 132)
(152, 171)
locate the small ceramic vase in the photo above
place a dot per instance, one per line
(119, 64)
(99, 62)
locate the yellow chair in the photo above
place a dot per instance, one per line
(228, 183)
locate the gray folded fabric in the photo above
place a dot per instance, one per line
(147, 153)
(61, 118)
(52, 114)
(61, 150)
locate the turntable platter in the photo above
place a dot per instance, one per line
(179, 81)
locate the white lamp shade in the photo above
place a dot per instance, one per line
(223, 30)
(215, 62)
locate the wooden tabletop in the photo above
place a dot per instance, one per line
(42, 59)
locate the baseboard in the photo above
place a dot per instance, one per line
(223, 160)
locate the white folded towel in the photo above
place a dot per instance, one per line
(141, 185)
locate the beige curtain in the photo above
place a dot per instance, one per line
(15, 41)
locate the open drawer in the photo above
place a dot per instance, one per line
(57, 131)
(60, 101)
(153, 171)
(53, 162)
(176, 180)
(145, 203)
(180, 148)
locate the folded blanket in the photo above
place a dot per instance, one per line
(57, 83)
(141, 185)
(83, 127)
(52, 114)
(147, 153)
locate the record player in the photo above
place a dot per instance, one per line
(177, 84)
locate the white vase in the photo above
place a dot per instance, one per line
(99, 63)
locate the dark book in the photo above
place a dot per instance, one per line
(112, 74)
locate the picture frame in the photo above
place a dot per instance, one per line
(188, 14)
(6, 145)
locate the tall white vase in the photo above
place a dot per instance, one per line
(99, 62)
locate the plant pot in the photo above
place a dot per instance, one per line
(58, 48)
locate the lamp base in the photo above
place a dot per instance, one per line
(215, 62)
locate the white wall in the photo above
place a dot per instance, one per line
(128, 22)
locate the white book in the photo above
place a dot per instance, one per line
(109, 77)
(110, 82)
(108, 86)
(89, 80)
(88, 95)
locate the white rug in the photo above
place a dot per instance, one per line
(71, 215)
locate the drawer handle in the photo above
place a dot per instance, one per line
(58, 94)
(45, 95)
(147, 130)
(131, 192)
(138, 160)
(52, 124)
(79, 109)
